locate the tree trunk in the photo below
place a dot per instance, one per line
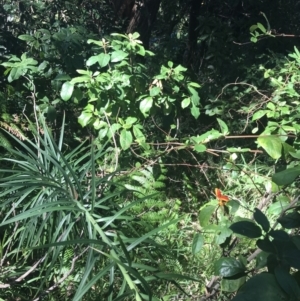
(193, 32)
(141, 15)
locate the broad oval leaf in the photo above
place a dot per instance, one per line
(259, 114)
(195, 112)
(205, 215)
(200, 148)
(272, 145)
(261, 27)
(232, 285)
(247, 229)
(103, 59)
(287, 282)
(266, 245)
(227, 267)
(290, 220)
(292, 256)
(279, 235)
(198, 242)
(223, 235)
(137, 132)
(261, 287)
(154, 91)
(66, 91)
(223, 126)
(26, 37)
(261, 219)
(261, 260)
(62, 77)
(286, 177)
(118, 56)
(146, 105)
(92, 60)
(125, 139)
(186, 102)
(84, 118)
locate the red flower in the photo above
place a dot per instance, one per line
(223, 199)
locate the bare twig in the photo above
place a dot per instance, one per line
(62, 279)
(22, 277)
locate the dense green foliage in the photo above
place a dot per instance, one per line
(119, 119)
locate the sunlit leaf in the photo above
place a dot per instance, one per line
(272, 145)
(197, 244)
(66, 91)
(228, 267)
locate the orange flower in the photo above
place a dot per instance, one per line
(223, 199)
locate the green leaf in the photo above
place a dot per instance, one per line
(287, 282)
(238, 150)
(193, 84)
(261, 27)
(16, 73)
(92, 60)
(195, 112)
(145, 105)
(62, 77)
(261, 287)
(118, 55)
(154, 91)
(135, 35)
(66, 91)
(77, 95)
(272, 145)
(286, 177)
(200, 148)
(292, 256)
(180, 68)
(259, 114)
(223, 235)
(185, 103)
(205, 215)
(253, 39)
(232, 285)
(290, 220)
(137, 132)
(227, 267)
(261, 260)
(130, 120)
(26, 37)
(197, 244)
(125, 139)
(84, 118)
(223, 126)
(194, 96)
(279, 235)
(103, 59)
(266, 245)
(247, 229)
(261, 219)
(277, 207)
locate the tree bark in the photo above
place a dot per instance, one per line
(141, 15)
(193, 32)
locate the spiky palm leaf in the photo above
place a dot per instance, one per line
(56, 201)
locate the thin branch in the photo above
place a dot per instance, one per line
(62, 279)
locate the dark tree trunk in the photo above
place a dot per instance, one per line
(141, 15)
(123, 8)
(193, 32)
